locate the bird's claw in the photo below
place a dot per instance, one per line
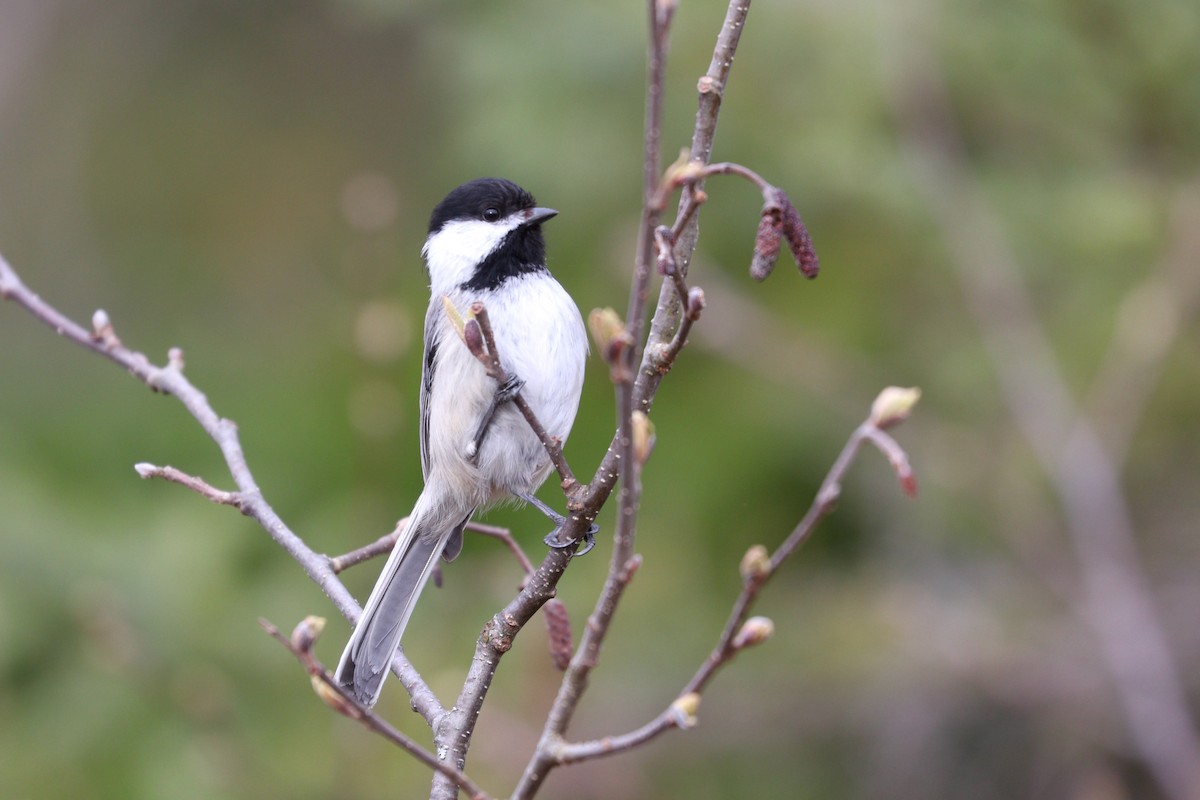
(508, 389)
(588, 540)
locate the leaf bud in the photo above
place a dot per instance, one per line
(609, 333)
(684, 170)
(472, 336)
(756, 630)
(605, 325)
(893, 405)
(330, 697)
(695, 303)
(306, 632)
(684, 710)
(102, 329)
(643, 437)
(756, 563)
(456, 319)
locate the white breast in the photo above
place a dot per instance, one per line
(541, 338)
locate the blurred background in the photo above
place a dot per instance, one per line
(1005, 198)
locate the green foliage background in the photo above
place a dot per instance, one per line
(250, 181)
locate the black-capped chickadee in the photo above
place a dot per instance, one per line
(485, 243)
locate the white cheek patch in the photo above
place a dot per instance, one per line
(453, 252)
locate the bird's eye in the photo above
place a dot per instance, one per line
(491, 214)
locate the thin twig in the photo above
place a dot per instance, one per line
(756, 573)
(692, 300)
(490, 358)
(196, 484)
(730, 168)
(341, 700)
(453, 735)
(636, 393)
(171, 380)
(384, 544)
(664, 241)
(510, 541)
(710, 92)
(380, 547)
(691, 201)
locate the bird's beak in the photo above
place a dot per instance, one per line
(536, 216)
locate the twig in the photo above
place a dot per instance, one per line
(692, 300)
(641, 377)
(453, 735)
(489, 356)
(510, 541)
(710, 89)
(381, 546)
(757, 568)
(384, 544)
(646, 360)
(171, 380)
(197, 485)
(332, 694)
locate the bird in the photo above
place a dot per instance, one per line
(484, 243)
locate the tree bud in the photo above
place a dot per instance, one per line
(893, 406)
(643, 437)
(756, 630)
(102, 329)
(331, 698)
(684, 710)
(306, 632)
(606, 327)
(472, 336)
(684, 170)
(756, 563)
(456, 319)
(695, 303)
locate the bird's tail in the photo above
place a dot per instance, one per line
(368, 654)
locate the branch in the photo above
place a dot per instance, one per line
(711, 89)
(248, 499)
(384, 544)
(644, 360)
(197, 485)
(339, 699)
(641, 368)
(509, 541)
(558, 624)
(453, 734)
(757, 568)
(477, 334)
(633, 393)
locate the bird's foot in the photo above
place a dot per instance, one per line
(508, 389)
(588, 540)
(505, 392)
(553, 538)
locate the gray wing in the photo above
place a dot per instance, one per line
(433, 333)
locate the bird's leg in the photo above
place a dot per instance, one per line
(505, 391)
(552, 540)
